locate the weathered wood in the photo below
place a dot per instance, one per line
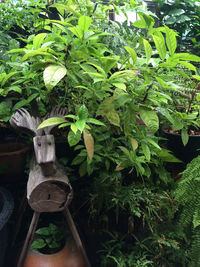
(22, 120)
(48, 187)
(29, 239)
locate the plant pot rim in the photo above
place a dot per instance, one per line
(176, 134)
(16, 148)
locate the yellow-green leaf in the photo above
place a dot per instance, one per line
(53, 74)
(37, 41)
(148, 49)
(171, 40)
(160, 46)
(132, 52)
(134, 143)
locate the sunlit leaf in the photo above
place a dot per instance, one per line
(53, 74)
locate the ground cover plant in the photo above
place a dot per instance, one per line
(117, 100)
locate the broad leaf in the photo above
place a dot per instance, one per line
(188, 65)
(37, 41)
(83, 112)
(53, 74)
(146, 151)
(150, 118)
(84, 23)
(51, 121)
(160, 46)
(148, 49)
(187, 56)
(171, 40)
(184, 136)
(132, 52)
(134, 143)
(73, 138)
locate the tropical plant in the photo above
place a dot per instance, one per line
(112, 122)
(183, 17)
(187, 197)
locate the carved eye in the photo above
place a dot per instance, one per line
(39, 144)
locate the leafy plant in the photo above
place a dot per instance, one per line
(182, 16)
(51, 237)
(187, 197)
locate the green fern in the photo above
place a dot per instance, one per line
(187, 195)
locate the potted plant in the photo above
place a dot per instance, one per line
(181, 122)
(53, 246)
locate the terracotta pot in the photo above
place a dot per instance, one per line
(69, 256)
(12, 161)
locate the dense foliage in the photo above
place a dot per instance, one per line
(119, 84)
(183, 17)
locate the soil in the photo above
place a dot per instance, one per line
(190, 131)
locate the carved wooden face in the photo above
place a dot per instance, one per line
(44, 147)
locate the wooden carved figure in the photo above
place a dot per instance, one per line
(48, 187)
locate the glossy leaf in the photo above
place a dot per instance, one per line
(73, 138)
(53, 74)
(171, 40)
(160, 46)
(83, 112)
(37, 41)
(148, 49)
(84, 23)
(51, 121)
(132, 52)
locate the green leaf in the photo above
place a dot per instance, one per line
(148, 49)
(51, 121)
(83, 112)
(184, 136)
(73, 138)
(113, 117)
(94, 121)
(84, 23)
(188, 65)
(186, 56)
(80, 125)
(7, 77)
(38, 243)
(160, 46)
(197, 77)
(36, 53)
(170, 20)
(146, 151)
(166, 156)
(119, 85)
(171, 40)
(53, 74)
(134, 143)
(4, 109)
(132, 52)
(150, 118)
(140, 24)
(37, 41)
(176, 12)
